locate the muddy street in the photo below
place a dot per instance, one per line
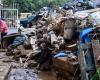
(7, 72)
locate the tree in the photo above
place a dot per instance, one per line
(30, 5)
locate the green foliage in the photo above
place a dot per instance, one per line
(30, 5)
(97, 75)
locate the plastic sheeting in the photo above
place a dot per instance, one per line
(84, 35)
(19, 40)
(60, 54)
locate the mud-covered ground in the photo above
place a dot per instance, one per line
(5, 66)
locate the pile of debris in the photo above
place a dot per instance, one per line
(52, 41)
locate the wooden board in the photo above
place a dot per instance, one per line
(90, 10)
(96, 50)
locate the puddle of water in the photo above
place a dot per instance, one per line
(29, 74)
(22, 74)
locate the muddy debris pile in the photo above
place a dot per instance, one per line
(56, 39)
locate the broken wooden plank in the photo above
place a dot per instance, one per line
(90, 10)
